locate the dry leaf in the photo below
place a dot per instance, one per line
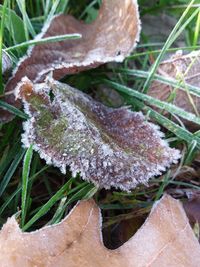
(183, 68)
(166, 239)
(110, 38)
(109, 147)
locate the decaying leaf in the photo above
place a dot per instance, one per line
(110, 147)
(110, 38)
(183, 68)
(165, 239)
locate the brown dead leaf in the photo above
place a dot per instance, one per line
(166, 239)
(109, 147)
(110, 38)
(186, 70)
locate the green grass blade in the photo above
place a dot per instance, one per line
(62, 6)
(162, 187)
(45, 208)
(168, 43)
(6, 162)
(197, 31)
(14, 194)
(25, 178)
(46, 7)
(53, 39)
(177, 130)
(13, 110)
(179, 183)
(28, 28)
(86, 191)
(59, 212)
(182, 28)
(159, 78)
(140, 54)
(6, 179)
(191, 153)
(1, 45)
(155, 102)
(14, 25)
(52, 12)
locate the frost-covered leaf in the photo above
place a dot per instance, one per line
(186, 70)
(110, 38)
(109, 147)
(166, 239)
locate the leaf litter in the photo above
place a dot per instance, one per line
(165, 239)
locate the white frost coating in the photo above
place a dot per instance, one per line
(100, 143)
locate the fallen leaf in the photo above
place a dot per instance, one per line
(165, 239)
(109, 147)
(184, 69)
(110, 38)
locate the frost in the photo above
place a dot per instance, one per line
(110, 38)
(109, 147)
